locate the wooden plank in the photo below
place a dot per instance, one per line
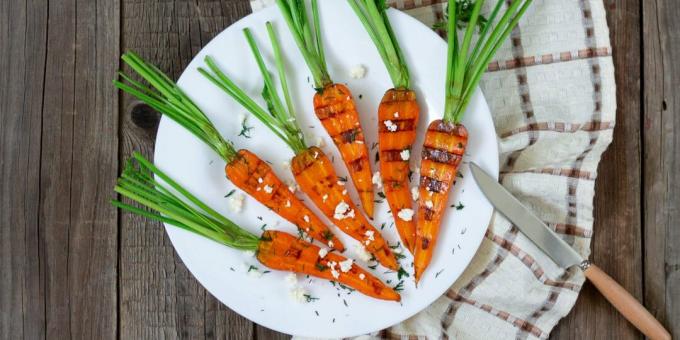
(616, 246)
(78, 227)
(158, 296)
(661, 168)
(23, 42)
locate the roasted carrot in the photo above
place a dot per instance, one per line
(397, 118)
(278, 250)
(315, 174)
(253, 176)
(446, 140)
(333, 103)
(166, 97)
(313, 171)
(282, 251)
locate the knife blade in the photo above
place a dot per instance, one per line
(537, 231)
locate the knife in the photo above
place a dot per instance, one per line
(565, 256)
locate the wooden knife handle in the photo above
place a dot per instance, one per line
(626, 304)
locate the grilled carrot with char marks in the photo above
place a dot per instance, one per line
(174, 205)
(397, 117)
(313, 171)
(333, 103)
(335, 107)
(442, 153)
(446, 139)
(282, 251)
(256, 177)
(166, 97)
(315, 174)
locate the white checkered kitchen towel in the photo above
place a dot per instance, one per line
(551, 92)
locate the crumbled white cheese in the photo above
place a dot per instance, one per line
(359, 141)
(324, 197)
(405, 214)
(396, 114)
(346, 265)
(370, 234)
(268, 189)
(291, 279)
(405, 154)
(362, 276)
(429, 204)
(341, 183)
(287, 203)
(361, 253)
(334, 272)
(390, 126)
(260, 180)
(331, 244)
(357, 72)
(298, 294)
(236, 202)
(320, 142)
(344, 192)
(415, 193)
(377, 180)
(323, 252)
(306, 218)
(343, 211)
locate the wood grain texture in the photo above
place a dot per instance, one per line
(59, 137)
(23, 42)
(158, 296)
(617, 240)
(661, 166)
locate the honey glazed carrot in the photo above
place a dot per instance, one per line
(170, 203)
(256, 177)
(282, 251)
(315, 174)
(335, 108)
(312, 169)
(442, 154)
(333, 102)
(447, 139)
(397, 120)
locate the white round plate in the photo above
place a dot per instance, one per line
(266, 299)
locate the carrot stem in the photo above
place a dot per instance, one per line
(373, 16)
(311, 45)
(467, 62)
(169, 200)
(166, 97)
(277, 117)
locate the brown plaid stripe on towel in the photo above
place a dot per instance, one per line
(551, 92)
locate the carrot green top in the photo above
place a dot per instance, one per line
(373, 15)
(307, 37)
(466, 62)
(175, 205)
(279, 118)
(167, 98)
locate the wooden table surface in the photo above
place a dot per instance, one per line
(72, 266)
